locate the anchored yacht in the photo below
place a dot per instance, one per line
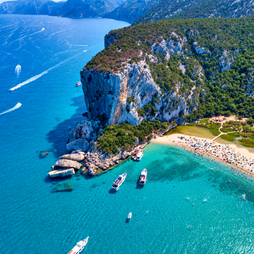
(118, 182)
(143, 176)
(79, 246)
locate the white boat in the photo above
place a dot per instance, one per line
(79, 246)
(139, 156)
(129, 216)
(142, 177)
(118, 182)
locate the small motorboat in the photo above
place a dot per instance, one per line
(139, 156)
(78, 84)
(142, 177)
(129, 216)
(118, 182)
(79, 246)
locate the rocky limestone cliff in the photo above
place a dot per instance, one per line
(83, 136)
(172, 71)
(120, 96)
(186, 9)
(132, 9)
(107, 94)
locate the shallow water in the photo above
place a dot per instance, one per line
(189, 204)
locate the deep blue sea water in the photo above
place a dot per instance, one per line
(189, 204)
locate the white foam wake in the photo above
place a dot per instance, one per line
(23, 37)
(28, 81)
(40, 75)
(18, 105)
(33, 33)
(18, 69)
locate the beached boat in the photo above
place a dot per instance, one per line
(118, 182)
(129, 216)
(139, 156)
(79, 246)
(142, 177)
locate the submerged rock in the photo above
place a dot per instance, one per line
(62, 187)
(43, 154)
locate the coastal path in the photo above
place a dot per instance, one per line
(221, 133)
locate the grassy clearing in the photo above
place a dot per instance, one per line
(247, 142)
(192, 131)
(228, 137)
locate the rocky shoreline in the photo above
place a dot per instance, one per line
(85, 156)
(93, 162)
(96, 161)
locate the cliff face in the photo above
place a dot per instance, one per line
(107, 94)
(184, 9)
(131, 10)
(171, 70)
(34, 7)
(88, 8)
(131, 93)
(70, 8)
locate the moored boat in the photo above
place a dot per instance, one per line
(142, 177)
(139, 155)
(129, 216)
(118, 182)
(79, 246)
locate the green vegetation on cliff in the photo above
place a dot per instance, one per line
(219, 80)
(124, 136)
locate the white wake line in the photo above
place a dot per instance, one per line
(21, 38)
(32, 33)
(18, 105)
(40, 75)
(80, 45)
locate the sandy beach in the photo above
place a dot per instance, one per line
(232, 155)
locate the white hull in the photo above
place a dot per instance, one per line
(137, 155)
(143, 177)
(118, 182)
(79, 246)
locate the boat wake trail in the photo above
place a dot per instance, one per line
(33, 33)
(25, 36)
(41, 74)
(29, 80)
(18, 69)
(18, 105)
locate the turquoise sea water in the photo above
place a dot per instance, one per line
(189, 204)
